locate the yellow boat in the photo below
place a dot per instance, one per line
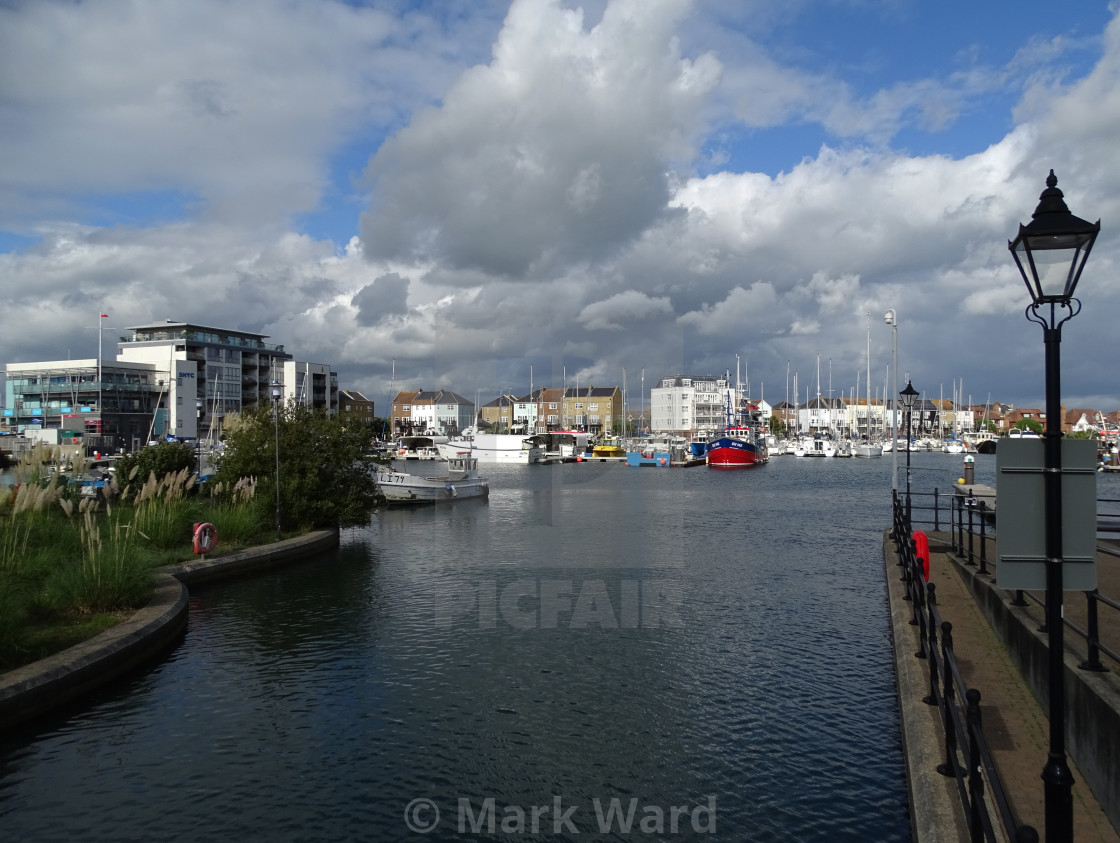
(609, 448)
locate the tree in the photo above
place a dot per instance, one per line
(326, 476)
(1029, 424)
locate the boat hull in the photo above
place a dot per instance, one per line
(458, 480)
(657, 459)
(505, 448)
(732, 452)
(449, 491)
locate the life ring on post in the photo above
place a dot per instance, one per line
(921, 550)
(205, 538)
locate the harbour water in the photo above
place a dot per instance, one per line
(688, 653)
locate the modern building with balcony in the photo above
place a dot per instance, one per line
(169, 379)
(105, 406)
(234, 370)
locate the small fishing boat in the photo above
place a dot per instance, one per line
(451, 479)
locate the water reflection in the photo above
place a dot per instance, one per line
(317, 703)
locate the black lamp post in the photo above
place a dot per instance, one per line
(198, 433)
(908, 395)
(1050, 253)
(276, 431)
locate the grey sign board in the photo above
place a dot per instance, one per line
(1021, 515)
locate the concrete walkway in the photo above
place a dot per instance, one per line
(1014, 721)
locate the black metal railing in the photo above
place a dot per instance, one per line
(929, 510)
(968, 759)
(972, 527)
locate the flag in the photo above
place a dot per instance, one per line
(104, 315)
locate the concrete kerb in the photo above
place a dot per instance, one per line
(935, 809)
(51, 683)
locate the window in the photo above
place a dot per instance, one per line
(579, 406)
(593, 407)
(552, 405)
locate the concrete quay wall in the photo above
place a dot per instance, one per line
(51, 683)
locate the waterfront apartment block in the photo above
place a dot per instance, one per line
(421, 411)
(169, 379)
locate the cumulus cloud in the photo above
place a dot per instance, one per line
(538, 190)
(631, 306)
(557, 150)
(384, 297)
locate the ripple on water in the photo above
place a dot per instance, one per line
(316, 703)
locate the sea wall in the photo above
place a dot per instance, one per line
(56, 681)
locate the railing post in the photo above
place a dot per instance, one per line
(920, 612)
(949, 768)
(931, 601)
(959, 548)
(936, 511)
(975, 781)
(1093, 638)
(970, 528)
(983, 541)
(1019, 600)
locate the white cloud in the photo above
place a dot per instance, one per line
(545, 198)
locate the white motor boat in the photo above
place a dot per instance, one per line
(506, 447)
(449, 480)
(820, 446)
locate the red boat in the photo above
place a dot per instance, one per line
(737, 447)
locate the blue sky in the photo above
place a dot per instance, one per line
(462, 190)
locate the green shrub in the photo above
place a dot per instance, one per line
(162, 460)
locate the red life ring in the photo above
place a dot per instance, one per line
(921, 550)
(662, 461)
(205, 538)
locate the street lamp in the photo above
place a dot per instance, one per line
(908, 395)
(198, 433)
(891, 318)
(1050, 253)
(276, 431)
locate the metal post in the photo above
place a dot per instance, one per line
(1094, 637)
(949, 768)
(909, 417)
(276, 429)
(1056, 774)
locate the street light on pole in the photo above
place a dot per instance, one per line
(276, 431)
(891, 319)
(198, 432)
(908, 395)
(1050, 253)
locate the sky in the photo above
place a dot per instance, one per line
(485, 196)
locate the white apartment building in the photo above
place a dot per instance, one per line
(225, 370)
(683, 404)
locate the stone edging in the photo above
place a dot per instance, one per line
(935, 813)
(51, 683)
